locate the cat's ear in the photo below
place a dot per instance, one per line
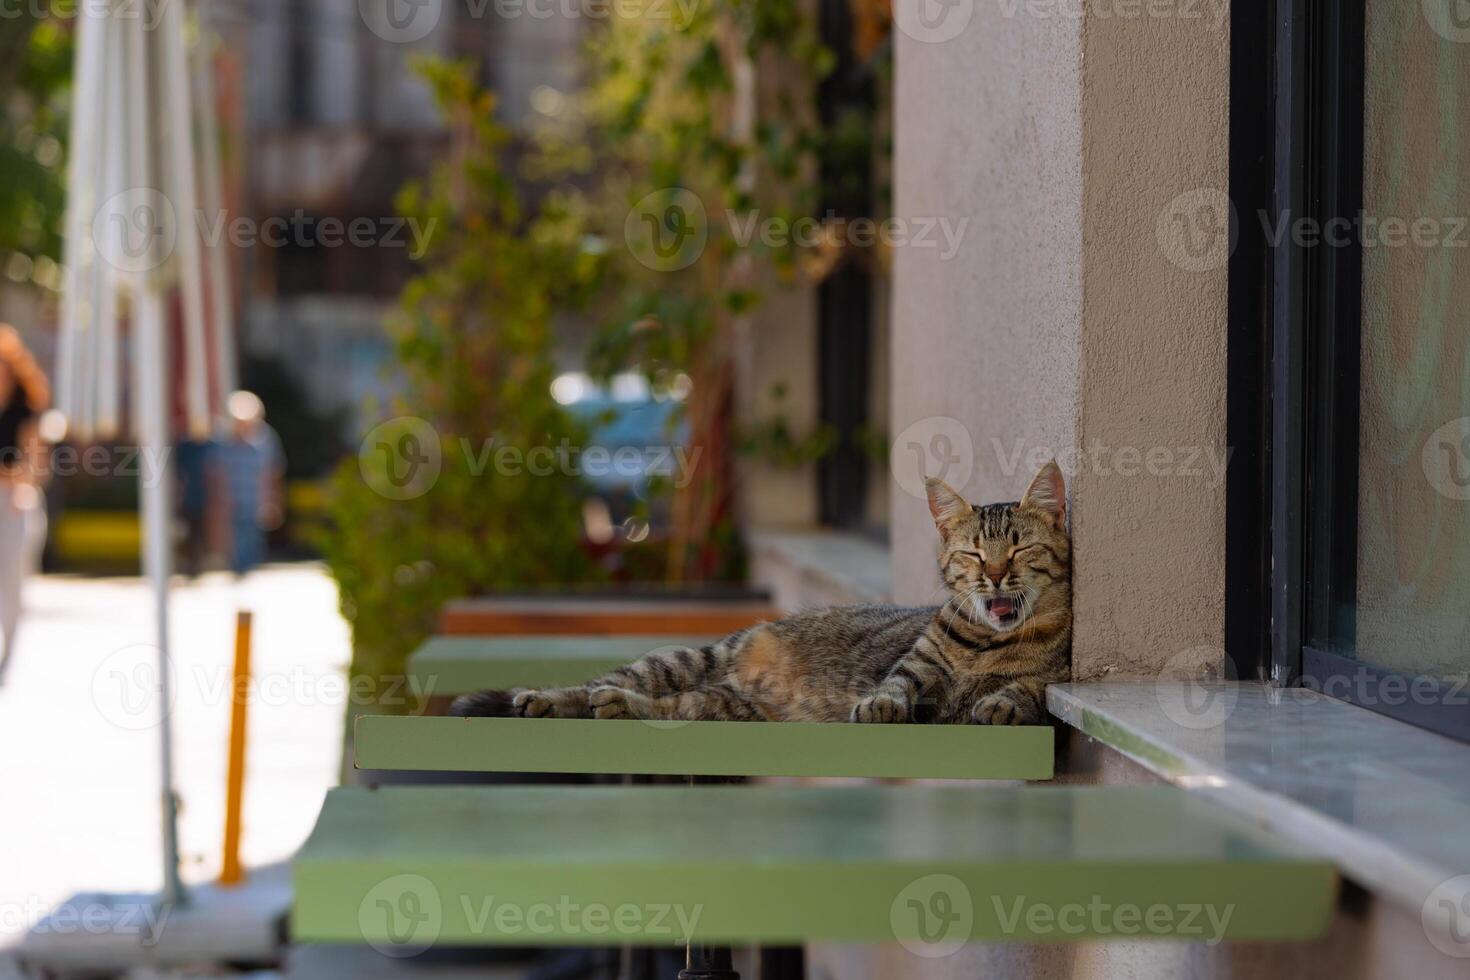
(1048, 494)
(946, 505)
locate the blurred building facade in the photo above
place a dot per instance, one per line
(331, 121)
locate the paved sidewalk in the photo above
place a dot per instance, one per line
(79, 748)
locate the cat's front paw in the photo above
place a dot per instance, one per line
(997, 709)
(615, 702)
(533, 704)
(880, 709)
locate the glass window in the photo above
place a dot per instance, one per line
(1413, 554)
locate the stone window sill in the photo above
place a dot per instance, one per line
(1387, 802)
(810, 568)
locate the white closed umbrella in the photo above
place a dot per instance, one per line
(132, 241)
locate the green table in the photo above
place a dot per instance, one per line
(930, 867)
(704, 748)
(456, 665)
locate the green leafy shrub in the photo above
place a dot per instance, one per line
(474, 338)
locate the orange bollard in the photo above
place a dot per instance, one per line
(230, 872)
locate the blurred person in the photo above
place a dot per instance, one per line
(198, 492)
(254, 469)
(24, 396)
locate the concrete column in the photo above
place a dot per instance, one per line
(1083, 313)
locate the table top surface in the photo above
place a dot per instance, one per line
(763, 863)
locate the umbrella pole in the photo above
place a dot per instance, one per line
(153, 428)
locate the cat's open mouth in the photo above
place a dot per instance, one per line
(1004, 611)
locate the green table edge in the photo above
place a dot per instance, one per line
(436, 674)
(704, 748)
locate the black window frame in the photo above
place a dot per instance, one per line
(1295, 336)
(844, 297)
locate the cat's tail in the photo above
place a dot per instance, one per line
(484, 704)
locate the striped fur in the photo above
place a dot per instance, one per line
(984, 657)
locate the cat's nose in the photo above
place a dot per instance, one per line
(995, 575)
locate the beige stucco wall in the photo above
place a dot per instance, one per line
(1150, 547)
(1076, 317)
(988, 131)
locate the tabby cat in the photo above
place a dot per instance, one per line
(984, 657)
